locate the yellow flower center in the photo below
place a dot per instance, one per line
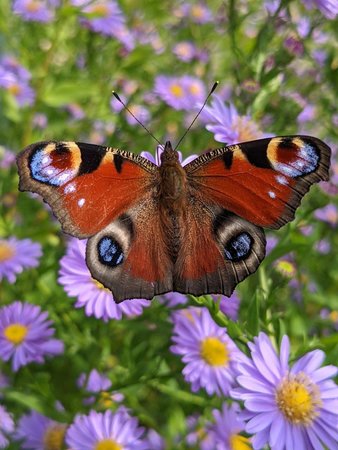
(14, 89)
(195, 89)
(100, 10)
(197, 11)
(53, 437)
(32, 6)
(286, 268)
(298, 398)
(238, 442)
(176, 90)
(107, 444)
(16, 333)
(246, 129)
(105, 400)
(214, 352)
(334, 316)
(6, 251)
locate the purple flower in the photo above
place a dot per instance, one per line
(173, 299)
(329, 8)
(294, 45)
(7, 159)
(159, 150)
(227, 125)
(35, 10)
(206, 349)
(39, 432)
(323, 246)
(229, 305)
(288, 408)
(199, 435)
(308, 114)
(181, 93)
(105, 430)
(197, 12)
(140, 112)
(94, 382)
(185, 51)
(15, 79)
(271, 242)
(98, 301)
(6, 426)
(106, 17)
(154, 441)
(17, 255)
(40, 120)
(26, 335)
(227, 428)
(329, 214)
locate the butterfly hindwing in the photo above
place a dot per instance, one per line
(261, 181)
(86, 185)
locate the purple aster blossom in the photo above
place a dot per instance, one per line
(159, 150)
(227, 428)
(116, 430)
(40, 120)
(35, 10)
(106, 17)
(207, 351)
(288, 408)
(329, 8)
(272, 6)
(308, 114)
(197, 12)
(10, 65)
(181, 93)
(98, 301)
(154, 441)
(323, 246)
(303, 26)
(173, 299)
(76, 111)
(7, 159)
(115, 105)
(26, 335)
(329, 214)
(20, 89)
(141, 112)
(94, 382)
(17, 255)
(185, 51)
(6, 426)
(38, 432)
(332, 316)
(229, 305)
(271, 242)
(294, 45)
(227, 125)
(199, 435)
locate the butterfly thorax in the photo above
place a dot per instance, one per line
(173, 180)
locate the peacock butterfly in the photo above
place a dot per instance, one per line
(153, 229)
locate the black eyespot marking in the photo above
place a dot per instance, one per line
(256, 153)
(227, 159)
(109, 252)
(118, 161)
(239, 247)
(91, 157)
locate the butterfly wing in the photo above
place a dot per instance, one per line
(86, 185)
(233, 192)
(261, 181)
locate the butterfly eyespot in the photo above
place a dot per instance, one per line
(109, 252)
(238, 247)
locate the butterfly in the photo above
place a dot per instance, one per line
(151, 229)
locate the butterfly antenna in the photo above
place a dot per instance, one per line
(199, 112)
(137, 120)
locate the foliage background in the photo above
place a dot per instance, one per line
(246, 50)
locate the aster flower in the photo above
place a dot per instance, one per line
(185, 51)
(289, 408)
(228, 305)
(329, 8)
(97, 383)
(7, 159)
(105, 430)
(173, 299)
(227, 428)
(98, 301)
(159, 150)
(329, 214)
(227, 125)
(38, 432)
(15, 79)
(197, 12)
(141, 112)
(35, 10)
(106, 17)
(199, 435)
(181, 93)
(17, 255)
(6, 426)
(26, 335)
(206, 349)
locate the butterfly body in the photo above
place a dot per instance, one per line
(194, 229)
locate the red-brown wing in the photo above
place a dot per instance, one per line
(87, 186)
(261, 181)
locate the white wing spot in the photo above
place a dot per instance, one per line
(81, 202)
(272, 194)
(281, 179)
(69, 188)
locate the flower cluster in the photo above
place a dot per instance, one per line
(15, 79)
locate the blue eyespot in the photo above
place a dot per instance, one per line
(110, 252)
(238, 247)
